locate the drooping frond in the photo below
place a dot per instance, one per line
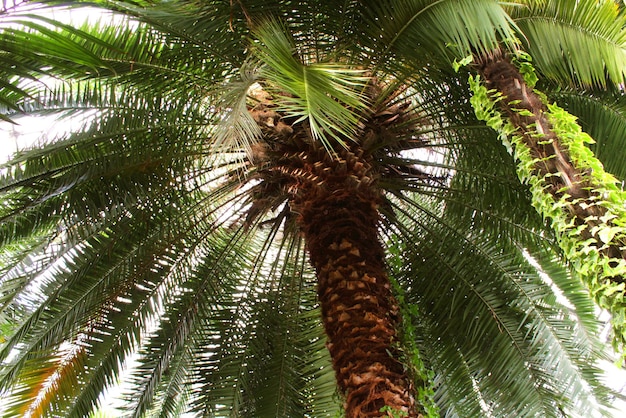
(574, 42)
(261, 355)
(236, 128)
(486, 335)
(410, 30)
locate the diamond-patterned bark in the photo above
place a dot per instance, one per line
(334, 198)
(338, 215)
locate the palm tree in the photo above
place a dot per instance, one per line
(220, 143)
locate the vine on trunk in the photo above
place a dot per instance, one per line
(588, 214)
(421, 375)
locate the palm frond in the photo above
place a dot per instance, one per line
(236, 129)
(261, 353)
(326, 95)
(413, 30)
(492, 341)
(579, 42)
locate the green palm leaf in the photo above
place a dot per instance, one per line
(324, 94)
(574, 42)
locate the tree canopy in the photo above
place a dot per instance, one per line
(230, 163)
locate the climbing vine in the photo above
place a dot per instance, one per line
(421, 375)
(595, 244)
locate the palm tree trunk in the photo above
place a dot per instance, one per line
(338, 215)
(584, 214)
(552, 160)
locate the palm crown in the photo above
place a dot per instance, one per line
(225, 144)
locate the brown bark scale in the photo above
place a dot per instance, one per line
(338, 215)
(335, 200)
